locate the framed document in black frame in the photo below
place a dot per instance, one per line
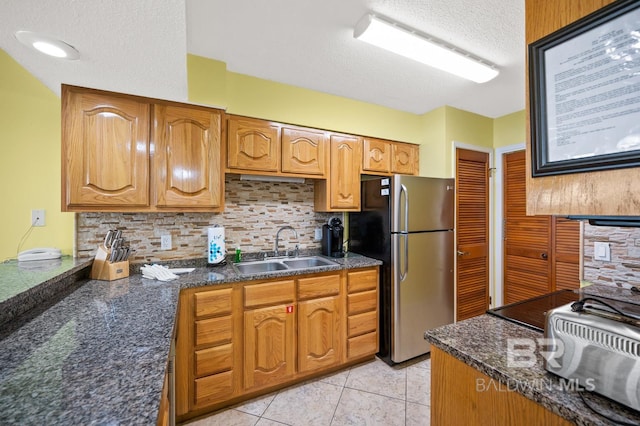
(584, 90)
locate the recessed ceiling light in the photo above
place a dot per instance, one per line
(48, 45)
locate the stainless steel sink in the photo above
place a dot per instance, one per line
(281, 264)
(307, 262)
(258, 267)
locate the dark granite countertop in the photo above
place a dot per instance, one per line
(482, 343)
(99, 354)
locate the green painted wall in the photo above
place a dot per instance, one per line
(29, 163)
(510, 129)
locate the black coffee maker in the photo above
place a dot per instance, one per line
(332, 238)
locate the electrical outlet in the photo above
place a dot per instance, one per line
(165, 242)
(37, 217)
(318, 234)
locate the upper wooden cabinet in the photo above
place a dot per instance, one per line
(253, 145)
(129, 154)
(264, 147)
(404, 158)
(387, 157)
(341, 190)
(304, 151)
(606, 192)
(376, 155)
(105, 151)
(187, 146)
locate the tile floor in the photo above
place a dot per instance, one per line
(371, 393)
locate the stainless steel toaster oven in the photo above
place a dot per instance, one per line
(596, 346)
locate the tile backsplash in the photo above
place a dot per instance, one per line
(624, 268)
(253, 212)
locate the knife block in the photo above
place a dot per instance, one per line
(104, 270)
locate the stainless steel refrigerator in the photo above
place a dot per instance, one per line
(407, 222)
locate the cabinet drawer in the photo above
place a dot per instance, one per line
(270, 293)
(214, 360)
(213, 331)
(214, 388)
(362, 323)
(313, 287)
(366, 344)
(362, 280)
(362, 302)
(213, 302)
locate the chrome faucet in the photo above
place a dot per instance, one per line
(278, 237)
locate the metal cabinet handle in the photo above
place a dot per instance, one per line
(544, 256)
(463, 253)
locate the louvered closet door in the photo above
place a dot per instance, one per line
(541, 253)
(472, 233)
(527, 266)
(566, 254)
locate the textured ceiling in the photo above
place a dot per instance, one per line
(140, 47)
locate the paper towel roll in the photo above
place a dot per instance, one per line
(216, 246)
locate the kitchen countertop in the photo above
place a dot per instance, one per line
(98, 355)
(481, 342)
(25, 285)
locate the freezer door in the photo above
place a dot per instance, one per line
(421, 203)
(422, 289)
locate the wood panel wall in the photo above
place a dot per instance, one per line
(610, 192)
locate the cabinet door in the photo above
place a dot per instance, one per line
(345, 173)
(187, 165)
(319, 331)
(105, 146)
(376, 155)
(269, 345)
(304, 152)
(253, 145)
(404, 158)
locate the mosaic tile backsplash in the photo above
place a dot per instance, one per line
(254, 211)
(624, 268)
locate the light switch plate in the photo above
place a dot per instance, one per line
(601, 251)
(318, 234)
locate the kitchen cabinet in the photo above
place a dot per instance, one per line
(207, 349)
(404, 158)
(456, 398)
(252, 145)
(264, 147)
(319, 322)
(269, 339)
(125, 153)
(376, 156)
(387, 157)
(304, 151)
(186, 163)
(362, 312)
(244, 339)
(341, 190)
(105, 151)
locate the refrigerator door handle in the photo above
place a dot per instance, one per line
(404, 256)
(406, 207)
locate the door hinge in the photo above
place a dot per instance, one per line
(490, 302)
(491, 171)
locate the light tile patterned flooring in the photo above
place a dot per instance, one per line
(371, 393)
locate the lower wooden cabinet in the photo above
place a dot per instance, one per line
(362, 312)
(239, 340)
(269, 339)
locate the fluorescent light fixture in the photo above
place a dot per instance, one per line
(48, 45)
(422, 48)
(265, 178)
